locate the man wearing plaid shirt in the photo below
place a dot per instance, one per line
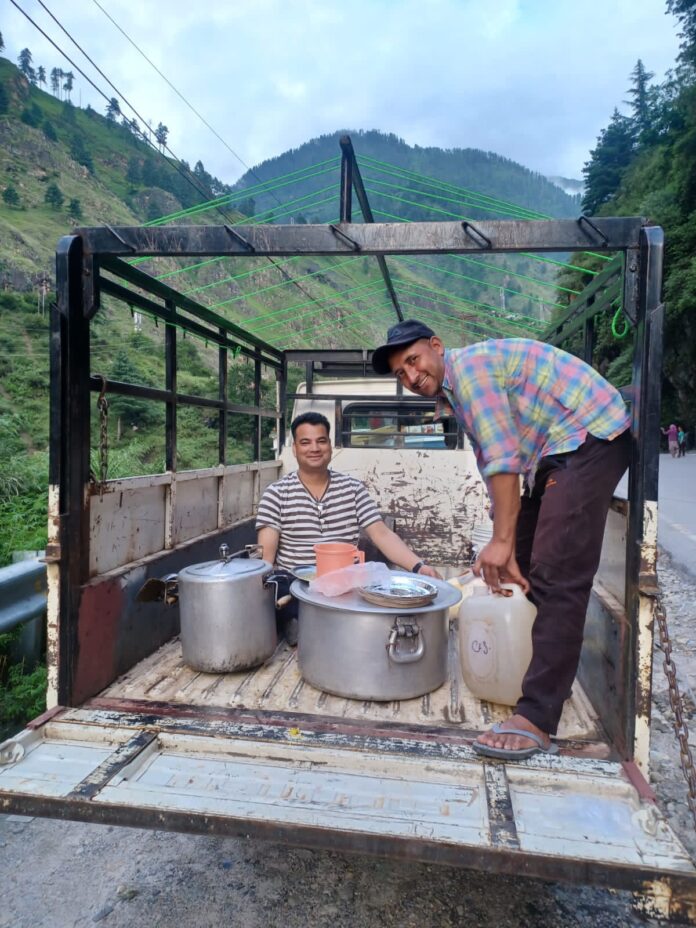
(533, 411)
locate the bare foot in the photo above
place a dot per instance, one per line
(514, 742)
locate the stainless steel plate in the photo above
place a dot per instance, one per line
(304, 572)
(400, 591)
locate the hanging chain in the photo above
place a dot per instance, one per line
(675, 700)
(103, 407)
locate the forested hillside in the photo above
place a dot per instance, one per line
(644, 164)
(483, 172)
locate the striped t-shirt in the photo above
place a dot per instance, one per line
(303, 522)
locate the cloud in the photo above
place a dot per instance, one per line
(533, 80)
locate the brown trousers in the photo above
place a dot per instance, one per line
(559, 541)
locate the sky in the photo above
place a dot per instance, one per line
(532, 80)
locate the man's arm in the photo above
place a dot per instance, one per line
(497, 563)
(268, 538)
(395, 550)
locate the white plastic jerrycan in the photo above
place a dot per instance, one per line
(495, 642)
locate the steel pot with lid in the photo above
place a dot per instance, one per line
(227, 610)
(353, 648)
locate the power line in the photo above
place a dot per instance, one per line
(182, 97)
(185, 173)
(169, 84)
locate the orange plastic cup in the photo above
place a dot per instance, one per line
(332, 555)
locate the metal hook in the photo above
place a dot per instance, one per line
(581, 219)
(239, 238)
(476, 235)
(116, 235)
(346, 238)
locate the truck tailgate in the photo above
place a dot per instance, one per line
(322, 784)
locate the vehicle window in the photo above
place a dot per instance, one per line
(396, 426)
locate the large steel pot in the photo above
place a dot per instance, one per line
(227, 611)
(352, 648)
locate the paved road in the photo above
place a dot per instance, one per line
(68, 875)
(676, 531)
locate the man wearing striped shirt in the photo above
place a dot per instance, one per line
(534, 412)
(315, 504)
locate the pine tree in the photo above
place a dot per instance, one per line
(161, 133)
(10, 196)
(134, 174)
(24, 62)
(2, 43)
(80, 153)
(56, 77)
(641, 104)
(54, 196)
(75, 209)
(113, 110)
(685, 12)
(49, 130)
(608, 161)
(41, 74)
(68, 85)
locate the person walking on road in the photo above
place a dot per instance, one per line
(672, 434)
(534, 412)
(681, 441)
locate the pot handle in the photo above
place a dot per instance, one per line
(282, 601)
(159, 590)
(405, 630)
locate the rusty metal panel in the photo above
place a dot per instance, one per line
(196, 511)
(603, 668)
(612, 565)
(126, 524)
(269, 471)
(435, 497)
(238, 496)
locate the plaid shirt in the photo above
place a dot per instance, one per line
(520, 400)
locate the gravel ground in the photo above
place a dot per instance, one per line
(57, 874)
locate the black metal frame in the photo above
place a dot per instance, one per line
(88, 265)
(371, 239)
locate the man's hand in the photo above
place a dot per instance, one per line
(428, 571)
(497, 564)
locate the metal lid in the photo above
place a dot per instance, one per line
(447, 595)
(224, 569)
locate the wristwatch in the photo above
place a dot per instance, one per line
(416, 567)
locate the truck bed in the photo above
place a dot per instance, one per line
(277, 687)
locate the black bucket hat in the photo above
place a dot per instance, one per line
(403, 333)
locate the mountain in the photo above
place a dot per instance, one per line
(574, 188)
(62, 166)
(494, 177)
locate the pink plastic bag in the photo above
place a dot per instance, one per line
(338, 582)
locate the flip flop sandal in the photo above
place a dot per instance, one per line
(486, 750)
